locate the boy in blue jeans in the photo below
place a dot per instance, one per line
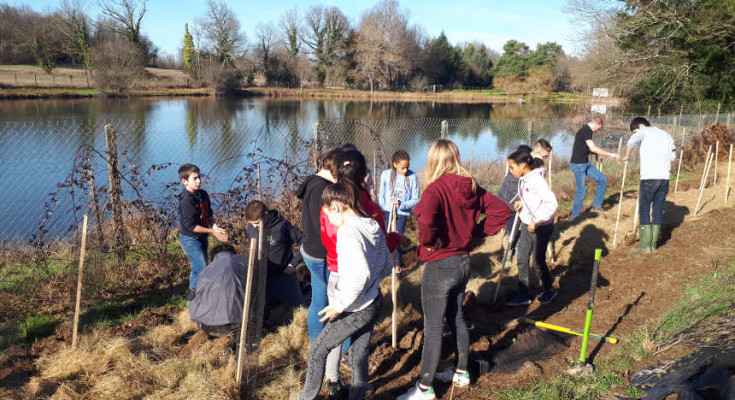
(197, 223)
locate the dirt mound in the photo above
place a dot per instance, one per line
(696, 151)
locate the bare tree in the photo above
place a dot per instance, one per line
(266, 37)
(73, 25)
(118, 64)
(221, 32)
(325, 33)
(128, 14)
(291, 29)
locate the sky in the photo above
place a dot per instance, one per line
(492, 22)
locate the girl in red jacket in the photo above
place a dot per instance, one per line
(447, 216)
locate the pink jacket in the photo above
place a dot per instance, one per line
(539, 202)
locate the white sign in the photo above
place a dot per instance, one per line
(599, 92)
(599, 108)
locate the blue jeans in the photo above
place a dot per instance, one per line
(196, 249)
(400, 222)
(653, 193)
(319, 277)
(580, 172)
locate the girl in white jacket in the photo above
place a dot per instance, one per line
(536, 204)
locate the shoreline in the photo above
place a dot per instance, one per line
(273, 93)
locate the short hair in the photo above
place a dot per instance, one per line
(255, 210)
(597, 120)
(328, 160)
(186, 170)
(544, 144)
(220, 248)
(634, 124)
(525, 148)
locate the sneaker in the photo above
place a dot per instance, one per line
(335, 391)
(520, 300)
(547, 296)
(448, 375)
(417, 394)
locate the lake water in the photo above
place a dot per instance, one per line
(39, 139)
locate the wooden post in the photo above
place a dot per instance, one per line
(35, 80)
(717, 121)
(678, 170)
(648, 113)
(675, 125)
(620, 145)
(506, 168)
(444, 129)
(79, 284)
(241, 353)
(115, 194)
(252, 340)
(95, 202)
(394, 294)
(701, 187)
(316, 147)
(717, 156)
(683, 136)
(702, 123)
(706, 160)
(530, 132)
(551, 164)
(620, 204)
(727, 182)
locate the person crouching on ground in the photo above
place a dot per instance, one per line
(657, 153)
(281, 283)
(217, 307)
(354, 294)
(536, 204)
(447, 216)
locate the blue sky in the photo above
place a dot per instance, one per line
(492, 22)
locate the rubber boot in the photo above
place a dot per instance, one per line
(655, 234)
(646, 233)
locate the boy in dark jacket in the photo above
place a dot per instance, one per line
(282, 283)
(197, 223)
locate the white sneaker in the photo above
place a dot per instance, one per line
(417, 394)
(461, 380)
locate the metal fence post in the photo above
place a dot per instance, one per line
(316, 147)
(445, 128)
(530, 132)
(115, 193)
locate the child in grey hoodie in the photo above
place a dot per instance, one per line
(354, 293)
(536, 205)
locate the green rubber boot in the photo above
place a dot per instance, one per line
(655, 234)
(646, 233)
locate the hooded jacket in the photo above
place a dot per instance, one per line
(539, 202)
(281, 237)
(364, 260)
(329, 231)
(449, 211)
(310, 193)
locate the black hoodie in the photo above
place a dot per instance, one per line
(281, 237)
(310, 193)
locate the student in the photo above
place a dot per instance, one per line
(657, 153)
(282, 283)
(312, 249)
(399, 187)
(369, 184)
(447, 216)
(355, 299)
(197, 223)
(536, 204)
(217, 307)
(581, 166)
(508, 192)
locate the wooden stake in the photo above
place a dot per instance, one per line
(394, 296)
(701, 187)
(717, 116)
(79, 284)
(678, 170)
(717, 155)
(551, 163)
(648, 113)
(245, 308)
(620, 204)
(727, 182)
(706, 161)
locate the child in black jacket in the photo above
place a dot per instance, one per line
(282, 283)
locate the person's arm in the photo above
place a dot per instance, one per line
(384, 194)
(597, 150)
(413, 193)
(496, 214)
(428, 212)
(635, 139)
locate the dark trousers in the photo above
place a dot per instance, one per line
(652, 197)
(358, 326)
(533, 244)
(442, 292)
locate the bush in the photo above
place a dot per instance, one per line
(223, 80)
(117, 65)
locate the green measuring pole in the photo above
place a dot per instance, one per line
(590, 306)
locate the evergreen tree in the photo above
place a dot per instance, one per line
(188, 50)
